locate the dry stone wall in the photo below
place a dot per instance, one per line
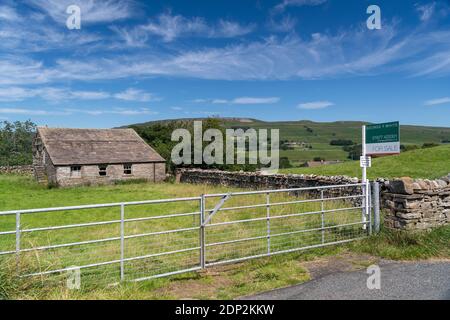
(416, 204)
(23, 170)
(255, 180)
(408, 204)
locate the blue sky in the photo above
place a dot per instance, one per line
(135, 61)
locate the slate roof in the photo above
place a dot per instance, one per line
(96, 146)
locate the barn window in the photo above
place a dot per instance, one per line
(127, 169)
(75, 171)
(102, 170)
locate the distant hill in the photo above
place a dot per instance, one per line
(318, 135)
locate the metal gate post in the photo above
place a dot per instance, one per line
(322, 208)
(202, 232)
(369, 206)
(366, 206)
(18, 240)
(363, 211)
(376, 206)
(122, 241)
(268, 221)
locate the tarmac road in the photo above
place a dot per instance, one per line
(411, 281)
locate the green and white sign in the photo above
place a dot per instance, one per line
(383, 138)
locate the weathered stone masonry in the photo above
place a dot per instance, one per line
(71, 157)
(416, 204)
(408, 204)
(22, 170)
(254, 180)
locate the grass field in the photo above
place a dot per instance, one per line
(422, 163)
(298, 157)
(23, 193)
(228, 281)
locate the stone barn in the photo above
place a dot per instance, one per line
(69, 157)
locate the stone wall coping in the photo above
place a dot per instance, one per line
(403, 185)
(23, 169)
(341, 178)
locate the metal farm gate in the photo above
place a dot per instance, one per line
(140, 240)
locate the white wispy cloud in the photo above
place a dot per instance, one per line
(241, 100)
(89, 95)
(49, 93)
(170, 27)
(426, 11)
(231, 29)
(92, 11)
(132, 94)
(316, 105)
(71, 111)
(297, 3)
(14, 94)
(8, 13)
(117, 111)
(219, 101)
(23, 70)
(34, 32)
(360, 52)
(8, 94)
(352, 52)
(434, 102)
(286, 24)
(31, 112)
(435, 64)
(253, 100)
(134, 37)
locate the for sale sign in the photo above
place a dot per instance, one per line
(383, 138)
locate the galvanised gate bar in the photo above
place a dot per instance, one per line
(135, 241)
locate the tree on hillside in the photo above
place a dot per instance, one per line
(408, 147)
(15, 142)
(159, 135)
(285, 163)
(427, 145)
(341, 142)
(354, 151)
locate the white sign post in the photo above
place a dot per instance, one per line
(377, 139)
(364, 156)
(363, 164)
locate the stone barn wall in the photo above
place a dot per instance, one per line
(154, 172)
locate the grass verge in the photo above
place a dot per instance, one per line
(400, 245)
(221, 282)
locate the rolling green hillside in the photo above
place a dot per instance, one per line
(319, 134)
(324, 132)
(423, 163)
